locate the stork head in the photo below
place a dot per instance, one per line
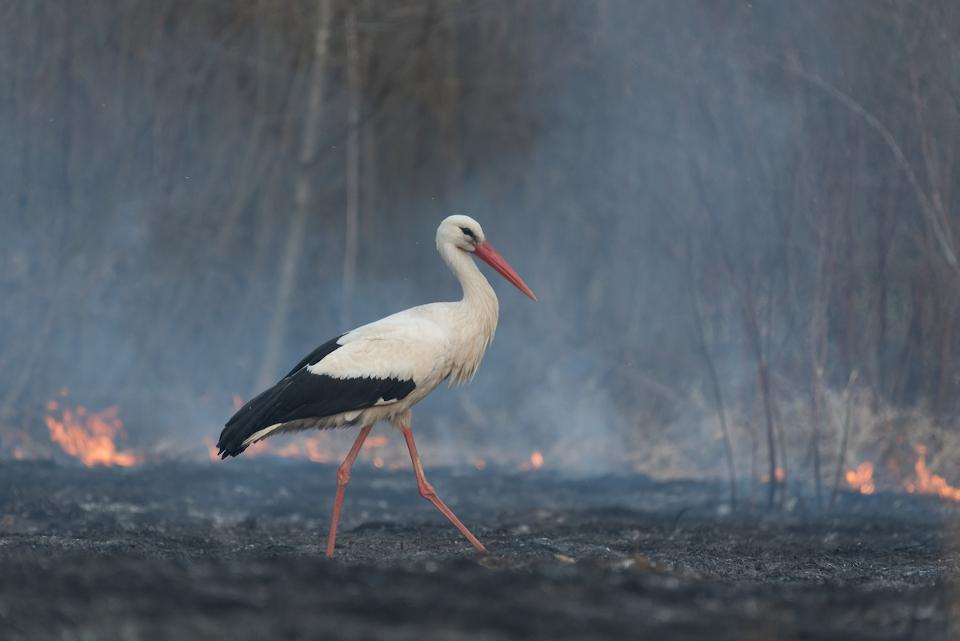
(465, 234)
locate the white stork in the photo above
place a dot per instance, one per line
(379, 371)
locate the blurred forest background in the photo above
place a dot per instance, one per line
(740, 217)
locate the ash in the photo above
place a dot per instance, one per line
(178, 551)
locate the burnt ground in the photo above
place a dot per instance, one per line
(234, 550)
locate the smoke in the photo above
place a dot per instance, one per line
(636, 162)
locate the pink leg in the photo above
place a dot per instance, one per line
(343, 477)
(427, 492)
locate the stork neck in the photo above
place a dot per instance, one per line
(476, 313)
(476, 288)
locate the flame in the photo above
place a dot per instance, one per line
(861, 478)
(317, 451)
(89, 436)
(310, 448)
(314, 448)
(535, 462)
(212, 450)
(536, 459)
(376, 441)
(929, 483)
(779, 474)
(924, 481)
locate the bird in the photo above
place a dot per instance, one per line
(379, 371)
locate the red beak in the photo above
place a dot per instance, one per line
(492, 257)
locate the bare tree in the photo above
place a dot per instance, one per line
(696, 310)
(303, 202)
(818, 344)
(352, 172)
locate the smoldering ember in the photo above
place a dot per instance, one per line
(706, 386)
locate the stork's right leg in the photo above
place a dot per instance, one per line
(343, 477)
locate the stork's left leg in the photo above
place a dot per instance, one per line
(343, 477)
(427, 491)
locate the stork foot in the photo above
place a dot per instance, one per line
(427, 492)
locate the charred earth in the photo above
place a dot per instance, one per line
(176, 551)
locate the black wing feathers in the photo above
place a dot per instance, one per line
(317, 355)
(302, 395)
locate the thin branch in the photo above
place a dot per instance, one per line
(922, 198)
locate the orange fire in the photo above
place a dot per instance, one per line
(314, 448)
(535, 462)
(924, 481)
(311, 448)
(861, 478)
(779, 474)
(376, 441)
(212, 451)
(536, 459)
(929, 483)
(89, 436)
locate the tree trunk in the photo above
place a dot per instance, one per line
(696, 309)
(351, 227)
(303, 202)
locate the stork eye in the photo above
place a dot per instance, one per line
(468, 232)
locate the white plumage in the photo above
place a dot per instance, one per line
(380, 370)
